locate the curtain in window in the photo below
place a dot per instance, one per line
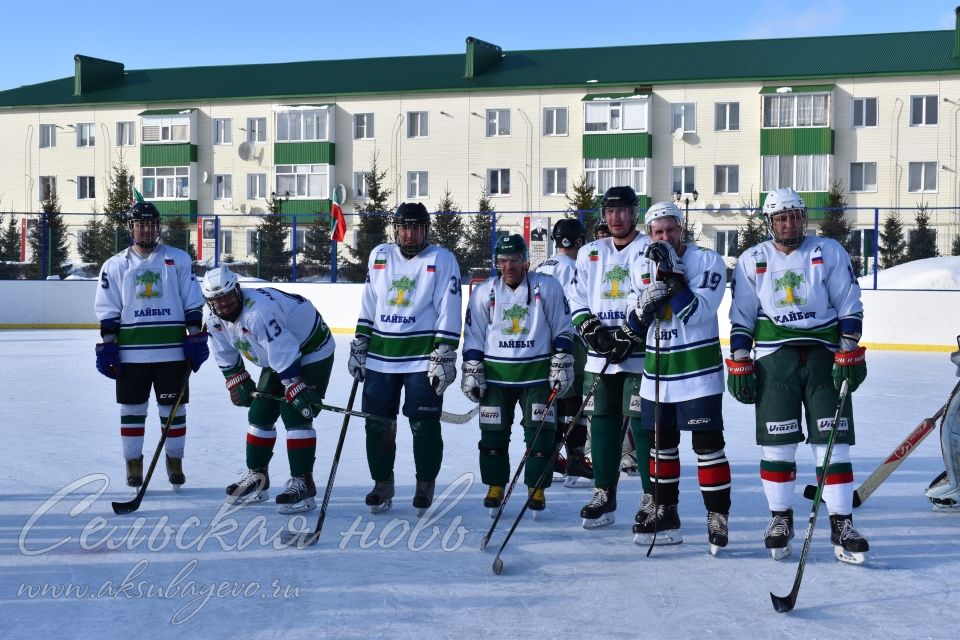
(820, 176)
(771, 111)
(769, 180)
(635, 116)
(596, 117)
(804, 111)
(804, 177)
(820, 111)
(785, 172)
(786, 111)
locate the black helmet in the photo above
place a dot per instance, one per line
(568, 232)
(600, 229)
(510, 245)
(144, 212)
(620, 197)
(409, 214)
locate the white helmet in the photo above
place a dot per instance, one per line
(221, 290)
(662, 210)
(785, 200)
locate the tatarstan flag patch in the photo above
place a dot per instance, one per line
(646, 278)
(594, 256)
(380, 263)
(761, 267)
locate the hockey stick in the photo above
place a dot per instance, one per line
(497, 562)
(302, 538)
(782, 604)
(899, 454)
(121, 508)
(656, 432)
(520, 466)
(452, 418)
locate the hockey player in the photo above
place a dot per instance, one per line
(600, 230)
(517, 346)
(796, 304)
(944, 491)
(684, 285)
(150, 312)
(286, 337)
(568, 237)
(406, 338)
(604, 294)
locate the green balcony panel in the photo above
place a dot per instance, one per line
(304, 153)
(618, 145)
(816, 201)
(796, 142)
(171, 208)
(167, 155)
(645, 202)
(306, 211)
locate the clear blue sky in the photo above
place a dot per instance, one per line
(38, 39)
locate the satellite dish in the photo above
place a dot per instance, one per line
(205, 177)
(246, 150)
(678, 134)
(340, 193)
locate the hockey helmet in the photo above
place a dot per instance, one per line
(617, 198)
(787, 205)
(568, 233)
(662, 210)
(411, 216)
(510, 246)
(221, 289)
(143, 221)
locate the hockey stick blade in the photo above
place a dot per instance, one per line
(300, 539)
(497, 565)
(783, 604)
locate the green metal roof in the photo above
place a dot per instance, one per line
(803, 88)
(774, 60)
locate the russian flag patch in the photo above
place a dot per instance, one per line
(169, 262)
(817, 260)
(431, 268)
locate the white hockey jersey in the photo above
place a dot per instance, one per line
(605, 288)
(513, 330)
(275, 329)
(809, 296)
(408, 306)
(149, 299)
(563, 268)
(690, 361)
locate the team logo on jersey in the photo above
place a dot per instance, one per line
(612, 285)
(635, 403)
(147, 283)
(788, 288)
(537, 411)
(243, 346)
(513, 317)
(825, 424)
(402, 290)
(489, 415)
(780, 428)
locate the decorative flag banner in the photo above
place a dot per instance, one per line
(338, 224)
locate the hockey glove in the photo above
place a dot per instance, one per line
(443, 368)
(595, 335)
(241, 388)
(742, 377)
(653, 302)
(474, 383)
(668, 262)
(357, 364)
(561, 373)
(195, 349)
(304, 399)
(629, 337)
(108, 359)
(850, 366)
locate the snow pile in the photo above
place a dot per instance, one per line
(927, 274)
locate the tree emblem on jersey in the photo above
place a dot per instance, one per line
(513, 316)
(789, 283)
(615, 276)
(146, 282)
(243, 346)
(402, 286)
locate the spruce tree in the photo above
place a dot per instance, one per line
(892, 245)
(835, 225)
(9, 249)
(374, 215)
(176, 233)
(584, 203)
(955, 248)
(446, 228)
(477, 255)
(923, 240)
(316, 249)
(48, 242)
(273, 258)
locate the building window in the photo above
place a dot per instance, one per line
(256, 186)
(725, 243)
(864, 112)
(226, 241)
(604, 116)
(125, 134)
(86, 135)
(554, 182)
(298, 125)
(166, 182)
(48, 186)
(48, 136)
(172, 128)
(301, 239)
(498, 122)
(498, 182)
(806, 110)
(803, 173)
(727, 116)
(417, 124)
(222, 187)
(417, 184)
(256, 129)
(360, 184)
(303, 181)
(86, 189)
(362, 126)
(922, 177)
(603, 173)
(683, 116)
(555, 121)
(923, 111)
(726, 178)
(253, 242)
(221, 131)
(682, 179)
(863, 176)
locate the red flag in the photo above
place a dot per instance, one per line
(338, 224)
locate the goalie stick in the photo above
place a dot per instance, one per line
(899, 454)
(445, 416)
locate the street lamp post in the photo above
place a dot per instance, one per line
(685, 199)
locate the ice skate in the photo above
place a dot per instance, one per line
(175, 472)
(717, 531)
(298, 495)
(423, 496)
(849, 545)
(665, 522)
(380, 498)
(600, 511)
(646, 509)
(943, 495)
(250, 488)
(493, 499)
(536, 501)
(135, 472)
(779, 533)
(579, 472)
